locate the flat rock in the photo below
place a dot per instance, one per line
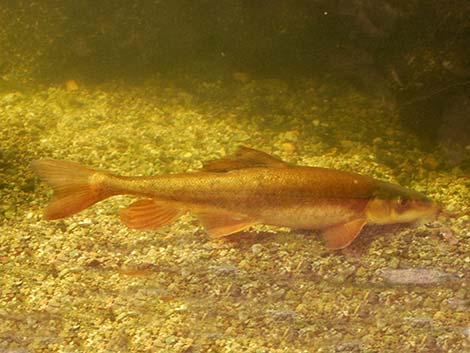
(415, 276)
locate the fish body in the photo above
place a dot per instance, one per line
(300, 197)
(235, 192)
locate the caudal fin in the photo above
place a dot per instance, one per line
(75, 187)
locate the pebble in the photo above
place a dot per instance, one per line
(10, 98)
(288, 147)
(415, 276)
(430, 162)
(256, 249)
(448, 235)
(86, 222)
(290, 136)
(459, 303)
(466, 332)
(420, 321)
(282, 315)
(242, 77)
(224, 270)
(351, 346)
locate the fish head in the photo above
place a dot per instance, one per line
(395, 204)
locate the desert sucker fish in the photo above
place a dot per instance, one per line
(235, 192)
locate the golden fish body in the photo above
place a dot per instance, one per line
(299, 197)
(238, 191)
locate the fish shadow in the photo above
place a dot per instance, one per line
(357, 248)
(247, 238)
(370, 234)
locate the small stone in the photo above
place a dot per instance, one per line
(466, 332)
(448, 235)
(377, 140)
(352, 346)
(439, 315)
(373, 298)
(288, 147)
(74, 253)
(9, 214)
(85, 223)
(430, 162)
(71, 86)
(459, 303)
(94, 263)
(224, 270)
(64, 272)
(242, 77)
(256, 249)
(380, 323)
(422, 322)
(11, 98)
(394, 263)
(290, 136)
(363, 311)
(282, 315)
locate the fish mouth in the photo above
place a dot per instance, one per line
(429, 210)
(447, 214)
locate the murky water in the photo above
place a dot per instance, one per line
(373, 88)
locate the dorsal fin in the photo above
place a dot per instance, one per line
(243, 158)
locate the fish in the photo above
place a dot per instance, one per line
(235, 192)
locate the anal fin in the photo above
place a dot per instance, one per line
(221, 223)
(341, 235)
(148, 214)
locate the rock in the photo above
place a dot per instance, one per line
(459, 303)
(351, 346)
(242, 77)
(224, 270)
(256, 249)
(421, 322)
(71, 86)
(282, 315)
(466, 332)
(448, 235)
(288, 147)
(430, 162)
(415, 276)
(11, 98)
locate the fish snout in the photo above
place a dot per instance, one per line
(426, 211)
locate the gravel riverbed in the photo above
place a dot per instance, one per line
(89, 284)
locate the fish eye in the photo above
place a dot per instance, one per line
(402, 202)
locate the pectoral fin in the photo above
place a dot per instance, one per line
(221, 223)
(147, 214)
(340, 236)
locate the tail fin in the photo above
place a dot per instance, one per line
(76, 187)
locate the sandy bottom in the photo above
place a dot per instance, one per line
(89, 284)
